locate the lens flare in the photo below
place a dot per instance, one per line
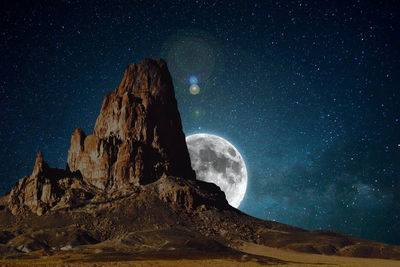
(193, 56)
(194, 89)
(193, 79)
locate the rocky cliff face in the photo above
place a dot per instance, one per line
(48, 188)
(34, 192)
(138, 135)
(137, 139)
(129, 186)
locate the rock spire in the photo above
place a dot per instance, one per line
(138, 135)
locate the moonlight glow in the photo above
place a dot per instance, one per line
(217, 161)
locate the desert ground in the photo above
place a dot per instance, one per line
(256, 255)
(294, 258)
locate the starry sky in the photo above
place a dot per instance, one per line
(308, 92)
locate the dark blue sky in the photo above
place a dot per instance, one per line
(308, 91)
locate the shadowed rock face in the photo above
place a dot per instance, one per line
(130, 183)
(137, 139)
(35, 191)
(138, 135)
(48, 188)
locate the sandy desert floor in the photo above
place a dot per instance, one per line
(292, 258)
(304, 259)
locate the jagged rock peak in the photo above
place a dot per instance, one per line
(137, 139)
(150, 76)
(48, 188)
(40, 165)
(145, 88)
(39, 156)
(34, 192)
(138, 134)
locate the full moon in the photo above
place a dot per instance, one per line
(217, 161)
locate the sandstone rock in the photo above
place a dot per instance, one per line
(47, 188)
(89, 156)
(40, 166)
(187, 195)
(137, 139)
(25, 243)
(35, 192)
(131, 182)
(138, 135)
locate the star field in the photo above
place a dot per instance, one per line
(308, 92)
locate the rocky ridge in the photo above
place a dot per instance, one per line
(138, 135)
(137, 139)
(48, 188)
(129, 189)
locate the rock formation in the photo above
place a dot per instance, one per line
(130, 187)
(36, 191)
(48, 188)
(137, 139)
(138, 135)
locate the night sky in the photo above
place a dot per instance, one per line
(308, 92)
